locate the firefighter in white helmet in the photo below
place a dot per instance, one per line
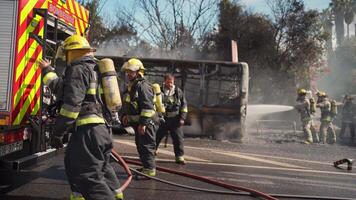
(305, 108)
(87, 156)
(138, 111)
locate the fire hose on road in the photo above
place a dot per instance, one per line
(235, 190)
(248, 191)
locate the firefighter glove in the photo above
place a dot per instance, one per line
(60, 54)
(56, 142)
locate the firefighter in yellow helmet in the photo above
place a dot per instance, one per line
(87, 156)
(138, 111)
(305, 108)
(326, 117)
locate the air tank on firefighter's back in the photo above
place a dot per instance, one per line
(110, 84)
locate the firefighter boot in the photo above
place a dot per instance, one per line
(180, 160)
(76, 196)
(119, 196)
(148, 172)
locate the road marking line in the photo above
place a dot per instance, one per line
(161, 151)
(260, 155)
(302, 181)
(259, 159)
(295, 179)
(274, 168)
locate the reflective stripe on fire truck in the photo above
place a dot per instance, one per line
(27, 75)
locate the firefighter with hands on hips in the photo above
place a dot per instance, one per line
(87, 156)
(306, 107)
(138, 111)
(347, 117)
(326, 117)
(175, 114)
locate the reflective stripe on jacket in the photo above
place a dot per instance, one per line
(175, 104)
(81, 103)
(138, 102)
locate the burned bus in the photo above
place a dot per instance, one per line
(216, 91)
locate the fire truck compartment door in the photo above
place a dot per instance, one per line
(8, 15)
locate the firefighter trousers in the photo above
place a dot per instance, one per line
(326, 126)
(173, 127)
(146, 146)
(87, 165)
(310, 133)
(351, 126)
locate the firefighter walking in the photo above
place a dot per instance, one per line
(87, 156)
(139, 112)
(176, 113)
(326, 117)
(306, 107)
(347, 117)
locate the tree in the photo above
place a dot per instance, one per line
(327, 19)
(300, 39)
(173, 24)
(338, 9)
(280, 51)
(97, 29)
(349, 16)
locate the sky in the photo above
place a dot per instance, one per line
(255, 5)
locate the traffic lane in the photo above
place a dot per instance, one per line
(313, 152)
(45, 180)
(282, 179)
(275, 181)
(263, 158)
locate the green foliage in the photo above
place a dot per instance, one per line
(280, 52)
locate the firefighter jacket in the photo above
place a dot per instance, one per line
(347, 112)
(325, 108)
(138, 103)
(303, 107)
(175, 103)
(81, 98)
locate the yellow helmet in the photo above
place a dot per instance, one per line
(302, 91)
(133, 64)
(76, 42)
(320, 94)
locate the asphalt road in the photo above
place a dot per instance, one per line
(267, 163)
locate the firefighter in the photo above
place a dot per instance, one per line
(326, 117)
(176, 113)
(87, 156)
(305, 108)
(347, 114)
(139, 112)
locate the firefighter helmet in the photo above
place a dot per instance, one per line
(76, 42)
(133, 64)
(302, 91)
(321, 94)
(348, 97)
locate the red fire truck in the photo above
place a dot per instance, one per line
(29, 31)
